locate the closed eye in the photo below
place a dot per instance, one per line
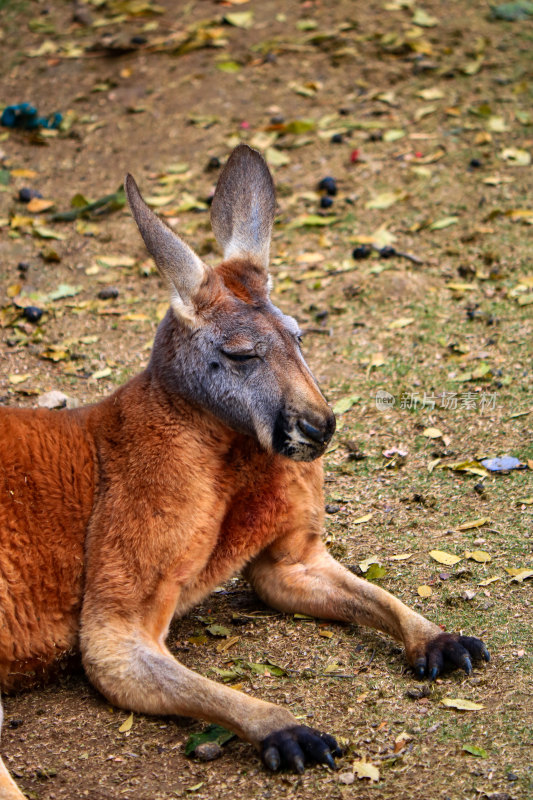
(238, 357)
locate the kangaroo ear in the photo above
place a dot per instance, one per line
(177, 263)
(244, 206)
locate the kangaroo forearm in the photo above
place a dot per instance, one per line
(330, 591)
(135, 675)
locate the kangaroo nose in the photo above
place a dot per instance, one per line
(319, 436)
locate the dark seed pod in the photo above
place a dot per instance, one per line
(361, 251)
(328, 185)
(326, 201)
(32, 313)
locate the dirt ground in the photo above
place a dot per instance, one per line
(423, 115)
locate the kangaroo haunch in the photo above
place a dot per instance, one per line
(117, 517)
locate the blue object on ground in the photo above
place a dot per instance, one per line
(25, 117)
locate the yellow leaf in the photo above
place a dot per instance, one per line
(475, 523)
(364, 769)
(516, 156)
(126, 725)
(432, 433)
(487, 581)
(326, 634)
(101, 373)
(115, 261)
(135, 316)
(478, 555)
(444, 558)
(38, 204)
(527, 501)
(461, 705)
(16, 379)
(14, 289)
(366, 518)
(519, 575)
(364, 566)
(24, 173)
(400, 557)
(386, 200)
(402, 322)
(425, 591)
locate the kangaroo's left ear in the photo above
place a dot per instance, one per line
(244, 206)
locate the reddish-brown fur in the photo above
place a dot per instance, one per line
(116, 517)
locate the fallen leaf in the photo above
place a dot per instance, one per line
(64, 290)
(16, 379)
(126, 725)
(375, 572)
(364, 769)
(39, 204)
(488, 581)
(442, 223)
(386, 199)
(47, 233)
(461, 705)
(474, 750)
(475, 523)
(516, 157)
(402, 322)
(401, 557)
(444, 558)
(364, 566)
(345, 403)
(425, 591)
(218, 630)
(326, 634)
(240, 19)
(101, 373)
(365, 518)
(213, 733)
(478, 555)
(432, 433)
(519, 575)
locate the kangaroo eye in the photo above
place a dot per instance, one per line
(239, 357)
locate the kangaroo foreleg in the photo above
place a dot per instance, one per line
(138, 674)
(297, 574)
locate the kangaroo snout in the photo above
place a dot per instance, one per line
(319, 433)
(304, 436)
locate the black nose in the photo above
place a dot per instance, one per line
(318, 436)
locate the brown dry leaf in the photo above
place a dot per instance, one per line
(461, 704)
(475, 523)
(478, 555)
(444, 558)
(425, 591)
(224, 646)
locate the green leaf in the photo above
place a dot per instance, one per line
(213, 733)
(299, 126)
(475, 751)
(65, 290)
(445, 222)
(229, 66)
(345, 403)
(375, 572)
(218, 630)
(269, 667)
(47, 233)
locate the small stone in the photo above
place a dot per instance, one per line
(475, 163)
(332, 508)
(32, 313)
(213, 163)
(208, 751)
(336, 138)
(512, 776)
(53, 399)
(23, 266)
(326, 201)
(108, 293)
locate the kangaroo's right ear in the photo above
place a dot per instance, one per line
(177, 263)
(244, 206)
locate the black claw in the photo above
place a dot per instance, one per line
(420, 668)
(433, 674)
(299, 764)
(467, 665)
(486, 655)
(271, 758)
(330, 761)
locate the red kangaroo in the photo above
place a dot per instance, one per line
(117, 517)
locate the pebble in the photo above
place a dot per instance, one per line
(326, 201)
(213, 163)
(56, 399)
(208, 751)
(347, 778)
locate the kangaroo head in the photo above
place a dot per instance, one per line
(224, 346)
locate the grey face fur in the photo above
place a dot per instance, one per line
(223, 345)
